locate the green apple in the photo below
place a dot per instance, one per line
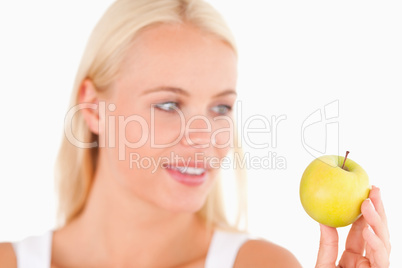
(332, 190)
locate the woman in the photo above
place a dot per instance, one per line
(150, 120)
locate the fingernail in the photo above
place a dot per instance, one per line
(375, 187)
(371, 203)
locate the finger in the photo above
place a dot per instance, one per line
(368, 250)
(355, 242)
(379, 254)
(375, 221)
(328, 251)
(375, 196)
(363, 263)
(350, 259)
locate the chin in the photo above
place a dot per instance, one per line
(181, 197)
(184, 205)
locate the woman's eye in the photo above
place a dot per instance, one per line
(167, 106)
(222, 109)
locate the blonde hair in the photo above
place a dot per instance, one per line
(101, 61)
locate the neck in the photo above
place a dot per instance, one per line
(121, 228)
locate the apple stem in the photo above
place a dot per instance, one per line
(344, 160)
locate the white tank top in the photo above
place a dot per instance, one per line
(35, 251)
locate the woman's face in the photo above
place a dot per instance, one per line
(169, 109)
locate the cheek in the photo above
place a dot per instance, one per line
(121, 125)
(223, 134)
(133, 132)
(125, 138)
(166, 128)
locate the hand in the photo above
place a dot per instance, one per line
(369, 235)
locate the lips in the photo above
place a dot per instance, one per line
(188, 170)
(189, 175)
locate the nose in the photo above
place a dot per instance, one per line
(197, 132)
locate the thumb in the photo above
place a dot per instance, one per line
(328, 251)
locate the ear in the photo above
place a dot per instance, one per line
(88, 99)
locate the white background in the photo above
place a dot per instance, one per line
(295, 57)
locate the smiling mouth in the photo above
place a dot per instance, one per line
(189, 176)
(188, 170)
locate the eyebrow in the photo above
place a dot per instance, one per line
(181, 91)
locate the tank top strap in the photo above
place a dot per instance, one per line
(223, 248)
(34, 251)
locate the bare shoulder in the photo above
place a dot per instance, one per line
(262, 253)
(7, 256)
